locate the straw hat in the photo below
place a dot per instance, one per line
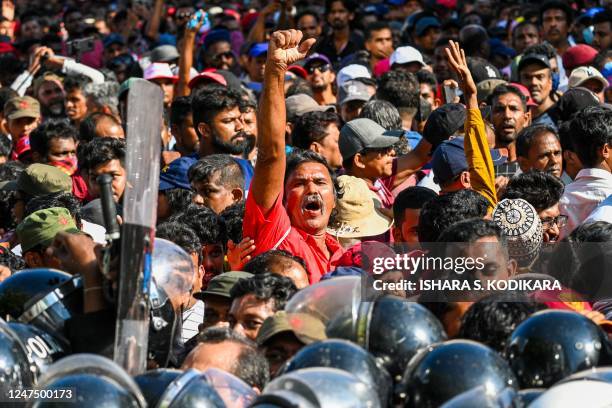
(358, 214)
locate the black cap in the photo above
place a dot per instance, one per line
(572, 101)
(444, 122)
(482, 70)
(533, 59)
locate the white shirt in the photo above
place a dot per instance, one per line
(95, 231)
(192, 318)
(603, 212)
(589, 189)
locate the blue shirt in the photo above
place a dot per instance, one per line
(247, 172)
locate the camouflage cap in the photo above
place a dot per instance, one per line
(311, 329)
(21, 107)
(47, 76)
(40, 179)
(41, 227)
(221, 284)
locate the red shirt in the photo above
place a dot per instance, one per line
(274, 231)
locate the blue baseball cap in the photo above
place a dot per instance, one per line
(424, 23)
(499, 48)
(258, 50)
(316, 57)
(174, 175)
(113, 38)
(449, 160)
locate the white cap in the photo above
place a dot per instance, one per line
(405, 55)
(159, 70)
(352, 71)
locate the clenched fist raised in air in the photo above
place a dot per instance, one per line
(284, 49)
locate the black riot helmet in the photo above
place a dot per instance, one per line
(552, 344)
(42, 348)
(49, 312)
(480, 397)
(171, 284)
(153, 383)
(318, 387)
(17, 370)
(392, 329)
(94, 380)
(528, 395)
(344, 355)
(27, 287)
(573, 394)
(165, 343)
(233, 391)
(442, 371)
(174, 388)
(592, 374)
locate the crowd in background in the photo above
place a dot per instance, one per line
(299, 141)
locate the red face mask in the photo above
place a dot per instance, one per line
(68, 166)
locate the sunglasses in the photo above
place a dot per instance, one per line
(226, 55)
(322, 68)
(560, 221)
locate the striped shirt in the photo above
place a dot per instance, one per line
(192, 318)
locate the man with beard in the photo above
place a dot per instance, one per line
(219, 124)
(321, 78)
(509, 115)
(555, 18)
(248, 108)
(342, 41)
(602, 33)
(49, 90)
(536, 74)
(290, 202)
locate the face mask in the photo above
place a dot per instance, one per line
(68, 166)
(555, 81)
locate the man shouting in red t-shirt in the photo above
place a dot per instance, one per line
(289, 202)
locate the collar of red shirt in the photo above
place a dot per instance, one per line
(332, 244)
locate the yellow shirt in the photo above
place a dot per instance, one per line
(480, 163)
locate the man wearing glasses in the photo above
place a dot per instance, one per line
(321, 77)
(218, 51)
(542, 190)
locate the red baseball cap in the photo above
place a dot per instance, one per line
(210, 77)
(299, 71)
(525, 92)
(577, 56)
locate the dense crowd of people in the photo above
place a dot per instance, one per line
(360, 204)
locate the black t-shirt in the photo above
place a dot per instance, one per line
(327, 47)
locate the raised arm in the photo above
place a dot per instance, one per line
(186, 59)
(480, 163)
(412, 162)
(154, 22)
(284, 49)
